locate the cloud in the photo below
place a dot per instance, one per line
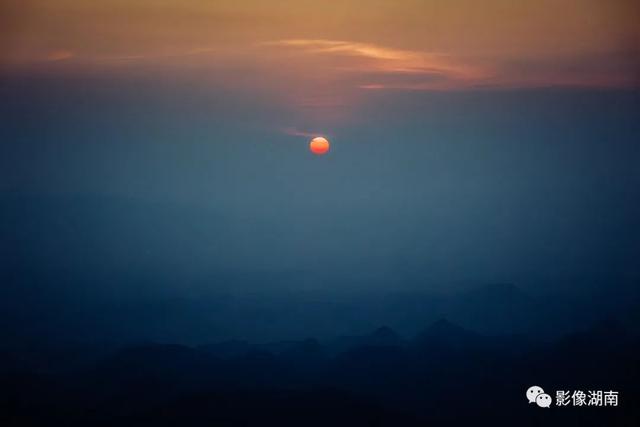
(346, 47)
(295, 132)
(382, 64)
(369, 66)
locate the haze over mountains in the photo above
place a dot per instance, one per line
(132, 271)
(127, 321)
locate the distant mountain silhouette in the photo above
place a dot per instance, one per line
(444, 328)
(121, 275)
(381, 337)
(444, 334)
(228, 349)
(430, 379)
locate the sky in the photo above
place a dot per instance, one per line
(319, 63)
(477, 142)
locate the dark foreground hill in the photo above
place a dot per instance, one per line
(446, 375)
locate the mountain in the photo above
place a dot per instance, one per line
(443, 333)
(381, 337)
(500, 308)
(228, 349)
(379, 380)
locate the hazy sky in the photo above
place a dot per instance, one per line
(486, 140)
(319, 59)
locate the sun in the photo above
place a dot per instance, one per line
(319, 145)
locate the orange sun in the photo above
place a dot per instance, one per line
(319, 145)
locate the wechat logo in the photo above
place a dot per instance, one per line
(536, 394)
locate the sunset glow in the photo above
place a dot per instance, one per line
(324, 69)
(397, 213)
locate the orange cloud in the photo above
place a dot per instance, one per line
(371, 59)
(369, 66)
